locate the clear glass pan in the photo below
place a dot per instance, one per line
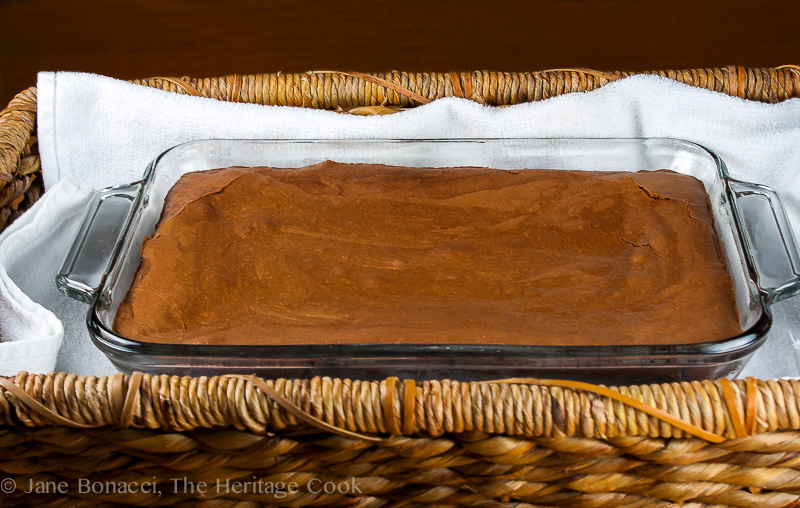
(756, 240)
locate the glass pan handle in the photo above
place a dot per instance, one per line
(768, 237)
(90, 255)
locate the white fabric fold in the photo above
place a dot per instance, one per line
(99, 132)
(31, 334)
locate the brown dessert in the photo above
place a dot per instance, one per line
(357, 253)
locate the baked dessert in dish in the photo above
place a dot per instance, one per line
(361, 253)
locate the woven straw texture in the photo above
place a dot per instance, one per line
(444, 443)
(151, 440)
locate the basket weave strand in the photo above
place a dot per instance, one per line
(513, 408)
(463, 432)
(20, 183)
(335, 90)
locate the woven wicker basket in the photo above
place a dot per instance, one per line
(235, 441)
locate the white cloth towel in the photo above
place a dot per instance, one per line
(98, 132)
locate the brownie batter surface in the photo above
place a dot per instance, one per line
(344, 253)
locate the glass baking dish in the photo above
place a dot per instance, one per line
(755, 236)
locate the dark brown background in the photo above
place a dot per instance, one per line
(142, 38)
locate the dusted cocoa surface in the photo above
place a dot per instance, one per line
(341, 253)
